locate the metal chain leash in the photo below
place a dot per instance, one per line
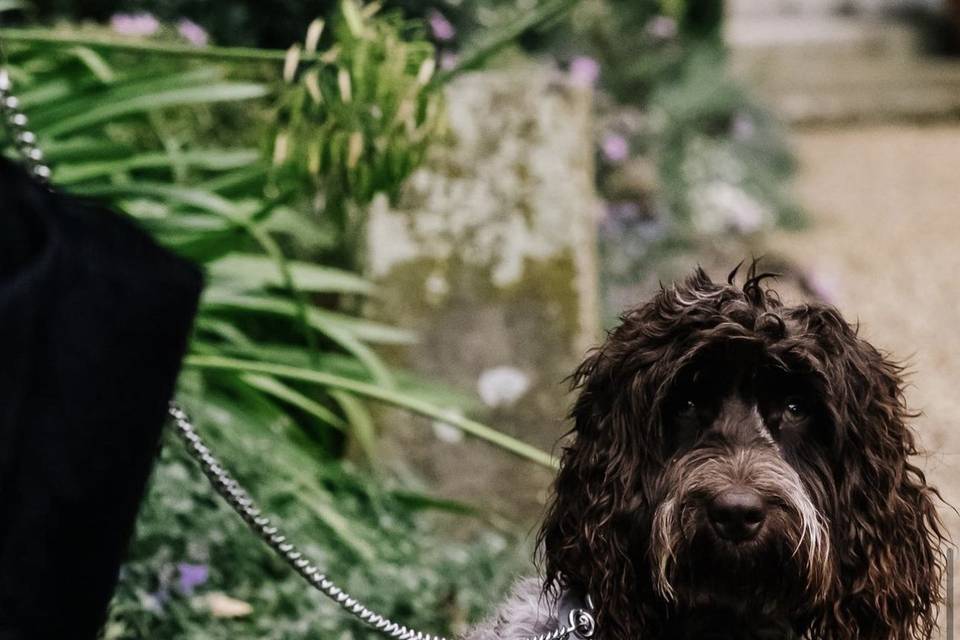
(580, 623)
(240, 502)
(24, 139)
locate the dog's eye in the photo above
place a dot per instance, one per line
(795, 408)
(687, 409)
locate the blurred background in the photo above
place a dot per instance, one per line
(415, 218)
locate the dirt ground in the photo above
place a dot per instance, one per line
(885, 244)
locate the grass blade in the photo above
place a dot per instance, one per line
(109, 111)
(211, 159)
(361, 422)
(272, 386)
(257, 272)
(388, 396)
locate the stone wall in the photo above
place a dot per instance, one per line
(490, 256)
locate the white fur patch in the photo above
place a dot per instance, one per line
(525, 613)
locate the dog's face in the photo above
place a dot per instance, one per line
(739, 470)
(734, 528)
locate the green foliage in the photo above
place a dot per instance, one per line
(276, 23)
(280, 369)
(494, 26)
(711, 132)
(357, 122)
(709, 161)
(634, 57)
(379, 546)
(252, 22)
(105, 133)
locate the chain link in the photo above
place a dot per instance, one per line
(24, 139)
(581, 622)
(240, 501)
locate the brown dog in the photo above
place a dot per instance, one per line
(739, 469)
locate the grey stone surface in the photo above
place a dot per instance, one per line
(766, 8)
(490, 256)
(824, 68)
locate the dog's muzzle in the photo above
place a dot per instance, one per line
(735, 518)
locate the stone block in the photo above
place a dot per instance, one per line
(490, 256)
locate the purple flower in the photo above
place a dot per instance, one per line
(134, 24)
(662, 27)
(191, 576)
(440, 27)
(584, 71)
(192, 32)
(615, 148)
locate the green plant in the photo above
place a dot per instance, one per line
(385, 548)
(104, 131)
(723, 162)
(279, 373)
(357, 121)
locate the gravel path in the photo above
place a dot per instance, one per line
(885, 241)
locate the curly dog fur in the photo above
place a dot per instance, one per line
(738, 469)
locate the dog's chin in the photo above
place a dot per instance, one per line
(718, 623)
(757, 577)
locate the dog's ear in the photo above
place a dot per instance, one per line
(887, 535)
(583, 541)
(590, 537)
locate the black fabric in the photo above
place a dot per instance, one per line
(94, 319)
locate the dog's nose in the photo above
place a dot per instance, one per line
(737, 514)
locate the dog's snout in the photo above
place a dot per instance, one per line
(737, 514)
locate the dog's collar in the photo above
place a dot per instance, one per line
(576, 610)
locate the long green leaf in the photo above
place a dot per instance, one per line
(248, 177)
(200, 246)
(361, 422)
(223, 329)
(302, 229)
(266, 384)
(95, 63)
(494, 40)
(420, 501)
(300, 301)
(277, 389)
(45, 92)
(83, 148)
(191, 197)
(220, 92)
(257, 272)
(344, 365)
(87, 94)
(381, 394)
(211, 159)
(285, 459)
(49, 38)
(322, 320)
(338, 329)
